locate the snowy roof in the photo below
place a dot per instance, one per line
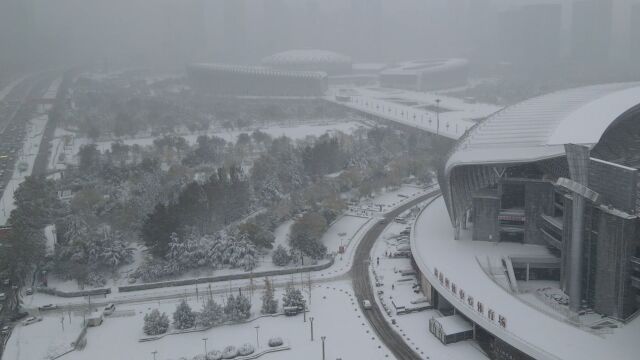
(533, 327)
(425, 66)
(454, 324)
(314, 56)
(256, 70)
(538, 128)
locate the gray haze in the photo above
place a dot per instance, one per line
(594, 38)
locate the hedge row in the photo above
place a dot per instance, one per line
(208, 279)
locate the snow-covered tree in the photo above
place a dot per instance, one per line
(184, 317)
(210, 315)
(269, 303)
(280, 256)
(155, 323)
(292, 297)
(237, 308)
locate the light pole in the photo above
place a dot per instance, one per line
(311, 319)
(205, 345)
(323, 338)
(154, 354)
(438, 116)
(257, 327)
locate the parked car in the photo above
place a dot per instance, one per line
(5, 330)
(48, 307)
(109, 309)
(366, 304)
(31, 320)
(29, 291)
(2, 296)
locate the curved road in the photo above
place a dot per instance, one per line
(363, 289)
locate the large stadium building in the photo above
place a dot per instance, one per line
(536, 239)
(326, 61)
(426, 75)
(239, 80)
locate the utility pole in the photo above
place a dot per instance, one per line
(257, 327)
(311, 319)
(323, 339)
(438, 116)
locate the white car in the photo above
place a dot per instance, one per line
(366, 304)
(5, 330)
(109, 309)
(31, 320)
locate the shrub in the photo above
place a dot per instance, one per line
(214, 355)
(210, 315)
(280, 257)
(275, 341)
(184, 317)
(156, 323)
(229, 352)
(246, 349)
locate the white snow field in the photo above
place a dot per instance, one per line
(333, 307)
(294, 131)
(437, 113)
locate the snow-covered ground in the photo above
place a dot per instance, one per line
(295, 132)
(117, 338)
(429, 111)
(50, 337)
(413, 327)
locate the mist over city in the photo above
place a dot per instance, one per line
(319, 179)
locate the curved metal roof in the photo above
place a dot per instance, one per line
(538, 128)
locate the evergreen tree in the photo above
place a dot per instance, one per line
(184, 317)
(292, 297)
(157, 229)
(155, 323)
(269, 303)
(280, 257)
(237, 308)
(210, 315)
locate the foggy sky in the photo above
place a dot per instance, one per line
(36, 34)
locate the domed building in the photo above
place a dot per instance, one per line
(310, 60)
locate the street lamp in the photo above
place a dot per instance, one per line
(323, 338)
(311, 319)
(154, 354)
(438, 116)
(205, 345)
(257, 327)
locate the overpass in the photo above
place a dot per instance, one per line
(435, 113)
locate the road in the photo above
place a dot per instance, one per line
(363, 289)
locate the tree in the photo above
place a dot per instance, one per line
(259, 236)
(280, 257)
(210, 315)
(269, 303)
(292, 297)
(306, 233)
(157, 229)
(237, 308)
(184, 317)
(88, 158)
(155, 323)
